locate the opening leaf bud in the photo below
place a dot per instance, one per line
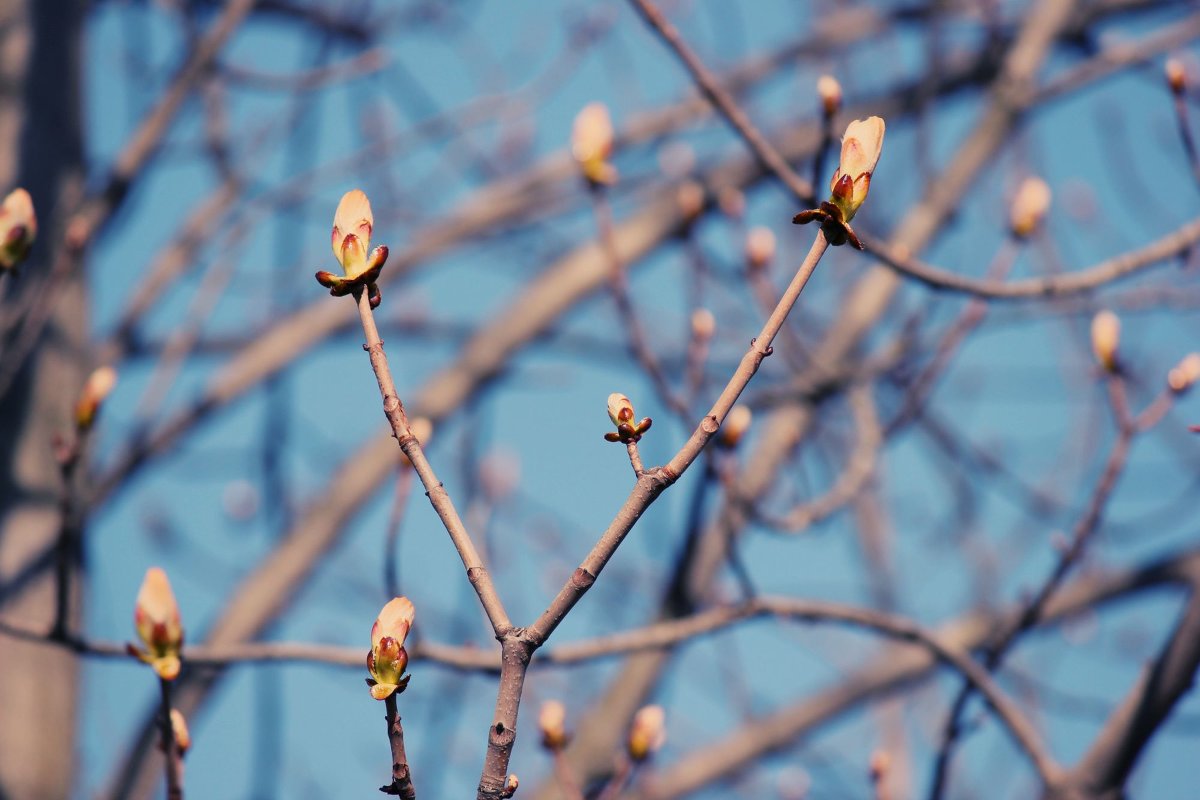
(510, 785)
(387, 659)
(620, 410)
(861, 146)
(1106, 336)
(158, 624)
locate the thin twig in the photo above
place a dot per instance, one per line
(401, 785)
(442, 504)
(170, 747)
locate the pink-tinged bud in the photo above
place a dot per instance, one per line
(760, 247)
(704, 324)
(387, 659)
(881, 762)
(18, 228)
(592, 143)
(737, 422)
(95, 391)
(1106, 336)
(183, 739)
(158, 624)
(830, 92)
(499, 475)
(1176, 75)
(1185, 374)
(552, 721)
(690, 197)
(351, 237)
(1029, 206)
(620, 410)
(732, 202)
(861, 146)
(648, 732)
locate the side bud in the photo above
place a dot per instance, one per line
(552, 721)
(1185, 374)
(737, 422)
(830, 92)
(760, 248)
(1029, 207)
(95, 391)
(18, 228)
(1176, 76)
(1106, 337)
(648, 732)
(592, 144)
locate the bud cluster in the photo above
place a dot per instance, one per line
(353, 223)
(620, 411)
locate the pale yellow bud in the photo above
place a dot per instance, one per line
(1176, 75)
(351, 236)
(760, 247)
(704, 324)
(510, 785)
(1106, 336)
(552, 720)
(183, 739)
(592, 143)
(830, 92)
(735, 426)
(1185, 374)
(1029, 206)
(690, 198)
(18, 228)
(648, 732)
(881, 762)
(95, 391)
(620, 409)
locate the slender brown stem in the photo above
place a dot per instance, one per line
(401, 785)
(635, 459)
(1032, 611)
(518, 645)
(612, 790)
(762, 149)
(566, 776)
(169, 747)
(442, 504)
